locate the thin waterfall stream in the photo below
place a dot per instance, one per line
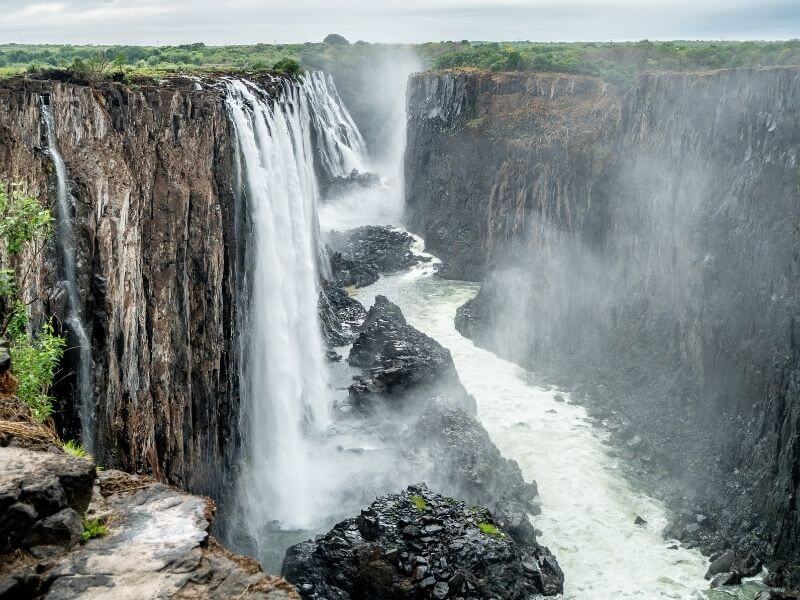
(65, 237)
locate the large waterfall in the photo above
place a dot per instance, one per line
(283, 374)
(65, 236)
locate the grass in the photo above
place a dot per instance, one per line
(419, 502)
(93, 528)
(489, 529)
(74, 448)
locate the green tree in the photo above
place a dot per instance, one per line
(25, 226)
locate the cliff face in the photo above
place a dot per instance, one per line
(486, 152)
(151, 172)
(645, 246)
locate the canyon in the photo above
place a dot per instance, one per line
(251, 341)
(640, 248)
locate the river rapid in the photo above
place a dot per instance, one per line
(588, 505)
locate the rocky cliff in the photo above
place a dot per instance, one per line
(151, 172)
(644, 247)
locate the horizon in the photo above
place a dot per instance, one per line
(248, 22)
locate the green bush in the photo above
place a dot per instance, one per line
(288, 66)
(74, 448)
(93, 528)
(25, 225)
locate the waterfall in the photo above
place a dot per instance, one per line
(283, 375)
(340, 147)
(65, 237)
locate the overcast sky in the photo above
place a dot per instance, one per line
(250, 21)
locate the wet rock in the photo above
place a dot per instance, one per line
(469, 557)
(721, 564)
(732, 578)
(402, 363)
(639, 521)
(360, 255)
(558, 398)
(340, 316)
(749, 565)
(336, 186)
(772, 595)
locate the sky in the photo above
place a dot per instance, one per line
(163, 22)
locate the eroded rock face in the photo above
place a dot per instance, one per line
(403, 364)
(627, 253)
(151, 171)
(419, 544)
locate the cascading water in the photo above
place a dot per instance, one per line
(65, 236)
(283, 375)
(340, 147)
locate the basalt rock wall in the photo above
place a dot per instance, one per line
(152, 175)
(643, 247)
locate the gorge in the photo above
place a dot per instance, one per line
(591, 347)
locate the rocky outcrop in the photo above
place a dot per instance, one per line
(150, 540)
(336, 186)
(419, 544)
(404, 366)
(359, 256)
(641, 248)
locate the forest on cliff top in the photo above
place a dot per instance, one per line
(616, 62)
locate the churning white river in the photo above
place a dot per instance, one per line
(588, 505)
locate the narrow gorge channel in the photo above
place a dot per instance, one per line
(588, 506)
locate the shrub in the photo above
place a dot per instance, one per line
(24, 226)
(288, 66)
(419, 502)
(74, 448)
(489, 529)
(93, 528)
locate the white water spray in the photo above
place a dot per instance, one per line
(284, 374)
(65, 236)
(340, 147)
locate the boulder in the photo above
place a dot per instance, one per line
(35, 486)
(360, 255)
(732, 578)
(722, 564)
(419, 544)
(403, 364)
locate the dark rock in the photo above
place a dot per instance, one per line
(749, 566)
(360, 255)
(639, 521)
(403, 363)
(722, 564)
(62, 529)
(558, 398)
(377, 563)
(335, 186)
(340, 316)
(35, 486)
(721, 579)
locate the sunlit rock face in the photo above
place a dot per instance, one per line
(642, 246)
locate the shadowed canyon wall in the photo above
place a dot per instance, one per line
(643, 248)
(151, 173)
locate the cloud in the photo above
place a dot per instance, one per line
(248, 21)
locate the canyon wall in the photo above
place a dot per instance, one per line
(642, 247)
(151, 170)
